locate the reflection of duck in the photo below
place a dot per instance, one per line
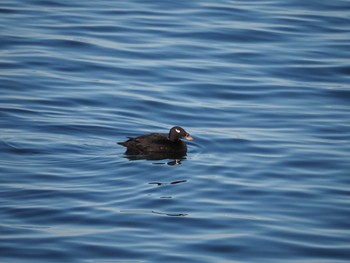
(176, 159)
(158, 145)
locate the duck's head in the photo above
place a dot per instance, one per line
(176, 133)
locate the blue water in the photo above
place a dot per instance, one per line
(262, 86)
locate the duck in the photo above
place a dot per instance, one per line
(158, 144)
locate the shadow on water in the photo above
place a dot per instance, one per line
(152, 212)
(158, 158)
(162, 184)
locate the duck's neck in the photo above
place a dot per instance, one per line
(173, 138)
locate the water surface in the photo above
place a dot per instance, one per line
(262, 86)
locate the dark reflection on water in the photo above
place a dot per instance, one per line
(153, 212)
(175, 158)
(175, 182)
(263, 86)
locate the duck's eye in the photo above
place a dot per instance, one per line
(178, 131)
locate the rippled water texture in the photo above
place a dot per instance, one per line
(262, 86)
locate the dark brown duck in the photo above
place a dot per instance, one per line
(156, 143)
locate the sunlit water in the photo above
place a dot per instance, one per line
(262, 86)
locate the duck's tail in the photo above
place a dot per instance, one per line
(125, 144)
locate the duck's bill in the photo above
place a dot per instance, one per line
(188, 137)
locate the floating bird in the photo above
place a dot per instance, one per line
(158, 144)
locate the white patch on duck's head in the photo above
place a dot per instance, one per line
(177, 130)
